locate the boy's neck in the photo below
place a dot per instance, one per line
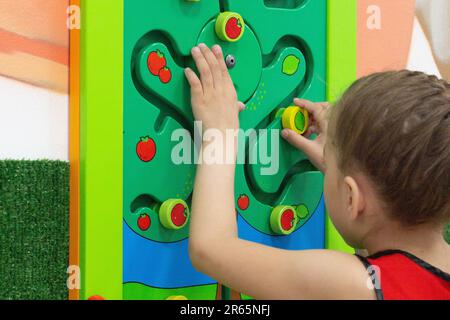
(424, 241)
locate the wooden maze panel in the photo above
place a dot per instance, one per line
(273, 64)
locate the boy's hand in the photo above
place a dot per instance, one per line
(318, 125)
(214, 98)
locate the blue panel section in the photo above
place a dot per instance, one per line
(310, 236)
(167, 265)
(157, 264)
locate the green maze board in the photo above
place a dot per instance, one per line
(280, 54)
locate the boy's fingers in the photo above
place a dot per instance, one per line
(308, 105)
(311, 105)
(316, 109)
(217, 50)
(298, 141)
(194, 82)
(311, 130)
(196, 87)
(203, 67)
(213, 65)
(241, 106)
(312, 150)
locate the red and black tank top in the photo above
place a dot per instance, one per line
(399, 275)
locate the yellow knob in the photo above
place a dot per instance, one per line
(230, 26)
(177, 298)
(296, 119)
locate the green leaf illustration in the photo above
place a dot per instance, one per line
(290, 65)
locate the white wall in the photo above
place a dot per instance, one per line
(33, 122)
(434, 15)
(420, 55)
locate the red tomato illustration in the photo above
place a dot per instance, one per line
(179, 215)
(144, 222)
(165, 75)
(287, 220)
(156, 62)
(243, 202)
(146, 149)
(233, 28)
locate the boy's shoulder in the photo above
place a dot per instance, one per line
(397, 274)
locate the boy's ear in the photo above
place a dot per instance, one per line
(355, 202)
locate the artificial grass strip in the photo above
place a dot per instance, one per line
(34, 229)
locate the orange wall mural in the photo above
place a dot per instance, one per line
(74, 149)
(384, 34)
(34, 42)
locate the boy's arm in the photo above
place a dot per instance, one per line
(261, 271)
(214, 247)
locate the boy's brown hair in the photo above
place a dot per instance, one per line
(395, 128)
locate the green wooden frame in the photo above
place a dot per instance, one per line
(101, 148)
(341, 73)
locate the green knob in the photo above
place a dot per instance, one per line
(174, 214)
(230, 26)
(283, 220)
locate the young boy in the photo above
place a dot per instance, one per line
(385, 152)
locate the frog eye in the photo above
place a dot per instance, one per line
(230, 61)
